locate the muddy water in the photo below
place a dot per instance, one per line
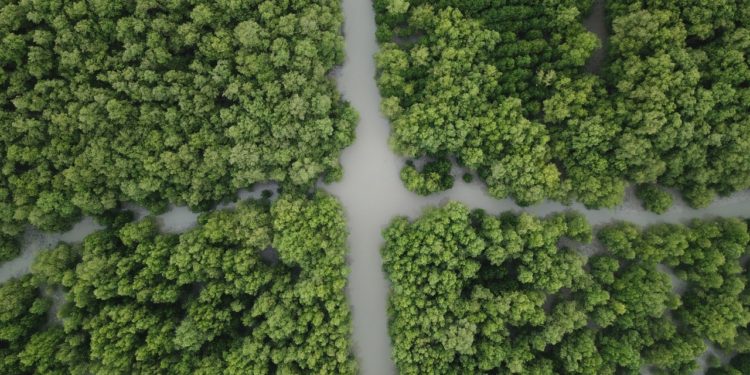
(596, 23)
(34, 241)
(175, 220)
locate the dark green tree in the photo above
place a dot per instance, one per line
(434, 177)
(181, 102)
(475, 293)
(502, 86)
(205, 301)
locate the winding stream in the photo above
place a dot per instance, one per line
(372, 194)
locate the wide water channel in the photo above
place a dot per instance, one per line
(372, 194)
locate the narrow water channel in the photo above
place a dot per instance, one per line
(175, 220)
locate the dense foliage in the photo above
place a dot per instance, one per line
(434, 177)
(474, 293)
(502, 86)
(463, 80)
(740, 365)
(209, 301)
(681, 75)
(654, 199)
(22, 313)
(153, 101)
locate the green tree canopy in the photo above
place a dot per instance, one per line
(502, 86)
(206, 301)
(475, 293)
(153, 102)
